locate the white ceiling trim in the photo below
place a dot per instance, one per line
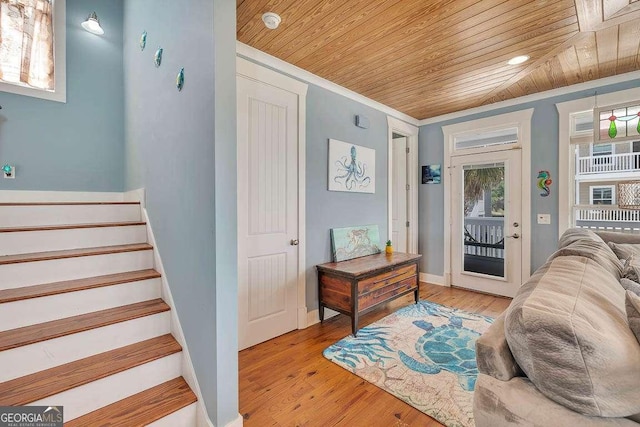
(254, 54)
(593, 84)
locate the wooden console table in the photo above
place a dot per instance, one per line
(361, 284)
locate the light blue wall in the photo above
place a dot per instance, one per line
(330, 115)
(77, 146)
(180, 146)
(544, 156)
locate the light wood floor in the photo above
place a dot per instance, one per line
(287, 382)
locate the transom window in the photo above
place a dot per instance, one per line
(32, 52)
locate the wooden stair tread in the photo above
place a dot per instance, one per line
(71, 226)
(57, 328)
(66, 203)
(142, 408)
(73, 253)
(36, 386)
(47, 289)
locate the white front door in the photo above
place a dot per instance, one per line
(486, 206)
(267, 211)
(399, 195)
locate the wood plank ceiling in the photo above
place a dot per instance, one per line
(427, 58)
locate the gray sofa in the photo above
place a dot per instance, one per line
(563, 353)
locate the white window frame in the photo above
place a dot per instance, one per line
(611, 145)
(567, 137)
(610, 187)
(59, 93)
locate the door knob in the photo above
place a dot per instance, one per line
(514, 236)
(515, 224)
(294, 242)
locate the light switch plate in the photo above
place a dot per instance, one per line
(544, 219)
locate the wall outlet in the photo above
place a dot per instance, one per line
(544, 219)
(9, 172)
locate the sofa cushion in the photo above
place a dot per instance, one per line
(575, 234)
(630, 285)
(595, 249)
(626, 251)
(633, 313)
(568, 331)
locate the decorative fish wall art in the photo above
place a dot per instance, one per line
(180, 80)
(143, 40)
(157, 58)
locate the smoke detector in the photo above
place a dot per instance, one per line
(271, 20)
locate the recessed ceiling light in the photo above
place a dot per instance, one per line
(518, 60)
(271, 20)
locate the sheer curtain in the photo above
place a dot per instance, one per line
(26, 43)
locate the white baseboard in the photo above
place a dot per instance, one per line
(313, 316)
(238, 422)
(17, 196)
(433, 279)
(135, 196)
(302, 318)
(188, 372)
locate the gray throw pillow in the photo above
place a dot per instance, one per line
(631, 270)
(626, 250)
(633, 313)
(630, 285)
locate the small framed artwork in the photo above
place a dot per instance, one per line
(431, 174)
(352, 168)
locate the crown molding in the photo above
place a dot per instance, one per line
(263, 58)
(593, 84)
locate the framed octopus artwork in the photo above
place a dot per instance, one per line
(352, 168)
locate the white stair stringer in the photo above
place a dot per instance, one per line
(188, 371)
(52, 214)
(43, 355)
(23, 242)
(32, 311)
(94, 395)
(56, 270)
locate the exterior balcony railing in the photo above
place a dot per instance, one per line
(607, 217)
(484, 236)
(625, 162)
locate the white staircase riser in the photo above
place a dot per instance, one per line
(43, 355)
(87, 398)
(24, 242)
(185, 417)
(39, 272)
(26, 216)
(39, 310)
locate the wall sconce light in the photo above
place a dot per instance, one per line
(92, 24)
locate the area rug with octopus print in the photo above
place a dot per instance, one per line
(423, 354)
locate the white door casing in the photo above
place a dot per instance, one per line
(412, 173)
(270, 227)
(399, 195)
(512, 231)
(522, 121)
